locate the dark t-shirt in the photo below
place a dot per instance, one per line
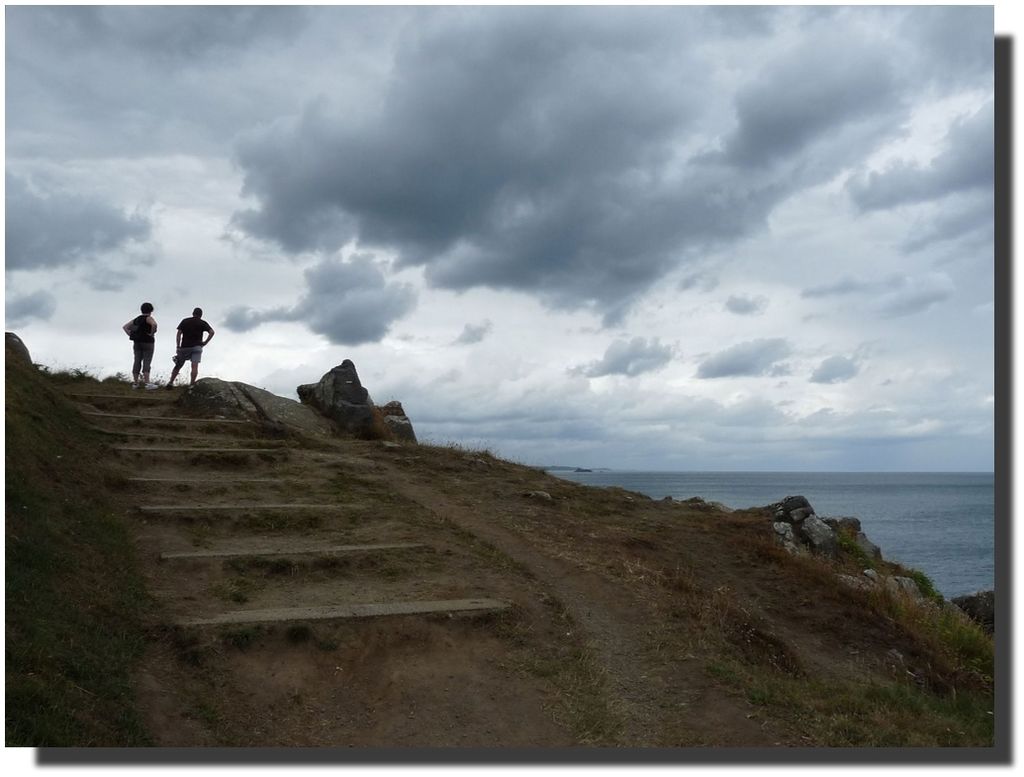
(192, 329)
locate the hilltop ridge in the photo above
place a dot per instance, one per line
(585, 616)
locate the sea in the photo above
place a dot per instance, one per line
(940, 523)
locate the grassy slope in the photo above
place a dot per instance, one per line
(825, 665)
(76, 609)
(75, 603)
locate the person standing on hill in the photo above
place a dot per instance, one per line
(190, 344)
(140, 331)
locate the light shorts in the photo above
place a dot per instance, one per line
(193, 353)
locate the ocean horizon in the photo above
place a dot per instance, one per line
(941, 523)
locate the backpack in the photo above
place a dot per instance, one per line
(136, 327)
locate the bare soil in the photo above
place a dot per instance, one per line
(620, 608)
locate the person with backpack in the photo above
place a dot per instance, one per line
(190, 344)
(140, 331)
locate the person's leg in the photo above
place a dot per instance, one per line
(197, 356)
(177, 366)
(137, 363)
(147, 360)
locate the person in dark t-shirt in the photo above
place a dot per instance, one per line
(190, 344)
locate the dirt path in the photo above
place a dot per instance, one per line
(442, 679)
(658, 703)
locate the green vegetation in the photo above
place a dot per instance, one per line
(75, 601)
(925, 585)
(848, 547)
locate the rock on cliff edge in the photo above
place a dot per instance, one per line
(15, 346)
(238, 400)
(340, 396)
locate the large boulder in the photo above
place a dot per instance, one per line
(397, 421)
(806, 529)
(341, 397)
(218, 398)
(15, 347)
(818, 535)
(237, 400)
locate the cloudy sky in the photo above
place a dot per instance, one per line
(676, 238)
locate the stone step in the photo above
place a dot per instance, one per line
(207, 481)
(167, 419)
(347, 611)
(135, 396)
(255, 506)
(158, 433)
(168, 449)
(286, 550)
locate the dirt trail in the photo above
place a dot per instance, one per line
(426, 680)
(578, 658)
(619, 628)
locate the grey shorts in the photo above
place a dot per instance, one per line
(193, 353)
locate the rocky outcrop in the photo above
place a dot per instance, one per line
(15, 347)
(398, 422)
(980, 607)
(237, 400)
(799, 529)
(337, 403)
(341, 397)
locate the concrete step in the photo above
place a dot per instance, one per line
(136, 396)
(290, 550)
(255, 506)
(207, 481)
(161, 434)
(177, 449)
(348, 611)
(166, 419)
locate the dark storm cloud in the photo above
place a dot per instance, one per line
(542, 149)
(810, 92)
(835, 369)
(752, 358)
(474, 333)
(538, 149)
(21, 310)
(746, 306)
(349, 303)
(630, 358)
(967, 163)
(58, 229)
